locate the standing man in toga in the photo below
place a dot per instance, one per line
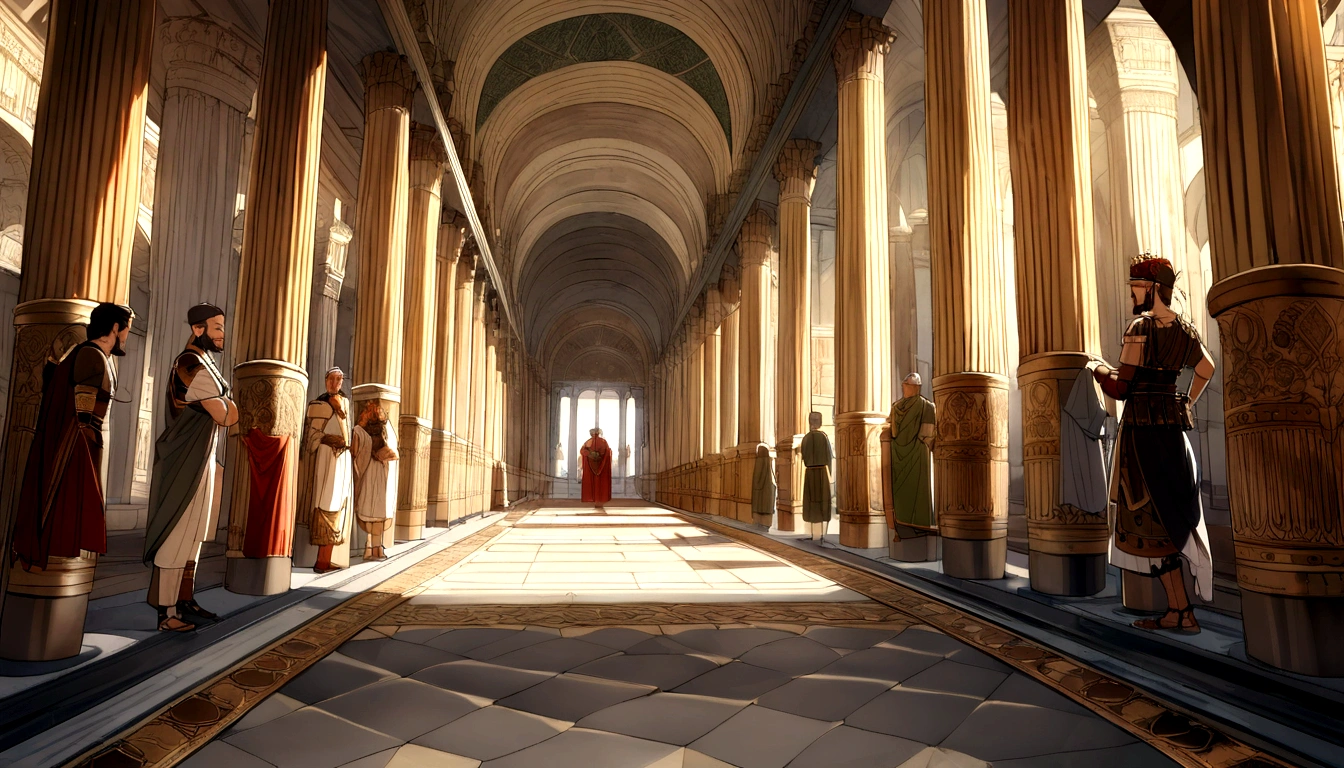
(182, 489)
(330, 474)
(913, 429)
(376, 464)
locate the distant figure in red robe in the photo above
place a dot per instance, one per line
(595, 458)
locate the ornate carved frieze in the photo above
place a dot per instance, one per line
(204, 56)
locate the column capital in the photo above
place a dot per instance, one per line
(389, 82)
(796, 170)
(730, 289)
(202, 55)
(426, 144)
(860, 47)
(461, 142)
(755, 231)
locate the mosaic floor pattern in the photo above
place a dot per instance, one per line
(612, 667)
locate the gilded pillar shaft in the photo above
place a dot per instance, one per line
(725, 484)
(463, 328)
(712, 361)
(451, 235)
(863, 351)
(796, 171)
(1056, 280)
(275, 282)
(384, 182)
(79, 228)
(479, 403)
(753, 243)
(426, 158)
(970, 387)
(1278, 256)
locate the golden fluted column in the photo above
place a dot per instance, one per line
(426, 158)
(970, 386)
(796, 172)
(724, 473)
(275, 287)
(1278, 258)
(452, 233)
(380, 224)
(79, 231)
(1056, 279)
(490, 413)
(710, 387)
(695, 378)
(753, 382)
(463, 329)
(479, 402)
(863, 317)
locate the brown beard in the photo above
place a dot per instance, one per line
(117, 349)
(1147, 305)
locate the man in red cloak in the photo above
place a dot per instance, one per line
(595, 458)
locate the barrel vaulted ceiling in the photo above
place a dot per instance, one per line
(602, 128)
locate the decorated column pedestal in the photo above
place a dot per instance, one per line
(270, 386)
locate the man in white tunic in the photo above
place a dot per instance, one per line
(330, 473)
(183, 485)
(375, 449)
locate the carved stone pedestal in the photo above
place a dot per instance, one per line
(45, 610)
(413, 447)
(789, 471)
(858, 459)
(1068, 544)
(970, 473)
(271, 397)
(909, 545)
(1282, 330)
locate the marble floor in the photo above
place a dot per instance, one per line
(634, 638)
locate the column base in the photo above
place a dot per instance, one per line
(258, 575)
(981, 559)
(1296, 634)
(1143, 594)
(864, 531)
(45, 610)
(1067, 575)
(913, 548)
(409, 532)
(303, 554)
(43, 628)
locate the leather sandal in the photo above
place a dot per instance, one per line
(194, 608)
(1180, 626)
(174, 624)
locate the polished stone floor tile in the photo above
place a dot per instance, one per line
(880, 663)
(396, 656)
(401, 708)
(1128, 756)
(999, 730)
(849, 638)
(492, 732)
(670, 718)
(729, 642)
(333, 676)
(460, 641)
(937, 757)
(571, 698)
(577, 748)
(846, 747)
(737, 681)
(758, 737)
(273, 706)
(953, 677)
(822, 698)
(617, 638)
(1023, 690)
(311, 738)
(518, 640)
(478, 678)
(663, 671)
(557, 655)
(791, 655)
(927, 640)
(922, 716)
(413, 756)
(658, 646)
(221, 754)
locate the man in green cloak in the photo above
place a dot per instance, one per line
(817, 456)
(912, 436)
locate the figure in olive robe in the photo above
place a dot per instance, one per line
(763, 487)
(912, 436)
(817, 457)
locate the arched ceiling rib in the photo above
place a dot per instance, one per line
(605, 37)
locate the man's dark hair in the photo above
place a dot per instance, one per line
(199, 314)
(108, 318)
